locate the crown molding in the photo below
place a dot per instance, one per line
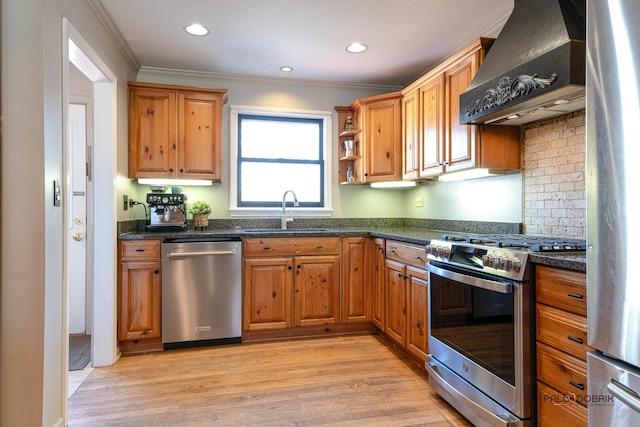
(115, 34)
(151, 72)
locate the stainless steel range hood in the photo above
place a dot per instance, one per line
(535, 68)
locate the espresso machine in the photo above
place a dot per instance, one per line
(166, 212)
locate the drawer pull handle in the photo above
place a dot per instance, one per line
(139, 250)
(572, 295)
(578, 340)
(266, 248)
(319, 247)
(416, 257)
(393, 251)
(577, 385)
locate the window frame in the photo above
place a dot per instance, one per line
(326, 145)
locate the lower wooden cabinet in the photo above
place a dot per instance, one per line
(291, 282)
(378, 287)
(561, 347)
(268, 286)
(139, 291)
(406, 297)
(418, 315)
(356, 279)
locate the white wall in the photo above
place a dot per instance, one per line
(31, 307)
(496, 199)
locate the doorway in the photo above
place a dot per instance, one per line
(100, 223)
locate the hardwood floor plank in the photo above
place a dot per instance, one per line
(354, 380)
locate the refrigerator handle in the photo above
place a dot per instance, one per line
(625, 395)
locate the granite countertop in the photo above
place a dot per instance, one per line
(567, 260)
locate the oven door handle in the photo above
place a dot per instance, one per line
(490, 285)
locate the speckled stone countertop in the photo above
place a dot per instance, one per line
(566, 260)
(419, 232)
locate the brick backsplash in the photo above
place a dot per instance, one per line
(553, 177)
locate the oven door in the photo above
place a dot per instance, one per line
(480, 344)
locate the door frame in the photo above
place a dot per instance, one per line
(103, 228)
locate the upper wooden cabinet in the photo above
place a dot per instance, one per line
(377, 140)
(433, 140)
(175, 131)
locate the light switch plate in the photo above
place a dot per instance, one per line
(418, 202)
(125, 202)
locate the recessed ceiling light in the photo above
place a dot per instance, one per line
(286, 69)
(357, 47)
(196, 30)
(513, 116)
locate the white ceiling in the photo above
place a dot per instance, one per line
(257, 37)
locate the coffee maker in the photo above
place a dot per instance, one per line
(166, 212)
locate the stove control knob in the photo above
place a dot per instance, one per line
(516, 264)
(486, 260)
(508, 264)
(495, 262)
(428, 249)
(446, 251)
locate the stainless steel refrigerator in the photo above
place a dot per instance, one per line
(613, 216)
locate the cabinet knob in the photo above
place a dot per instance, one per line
(181, 170)
(274, 294)
(289, 268)
(388, 154)
(299, 266)
(171, 170)
(156, 271)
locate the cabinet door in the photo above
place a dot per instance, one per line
(356, 292)
(417, 336)
(460, 139)
(267, 293)
(317, 290)
(432, 122)
(411, 135)
(152, 130)
(199, 136)
(383, 137)
(139, 300)
(396, 302)
(378, 275)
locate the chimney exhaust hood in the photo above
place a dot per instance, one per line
(535, 68)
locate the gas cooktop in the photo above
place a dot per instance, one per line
(522, 242)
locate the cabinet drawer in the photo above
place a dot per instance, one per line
(291, 246)
(139, 249)
(562, 289)
(563, 330)
(561, 371)
(553, 411)
(406, 253)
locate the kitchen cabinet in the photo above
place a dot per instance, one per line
(434, 142)
(378, 274)
(377, 137)
(406, 297)
(290, 282)
(356, 279)
(175, 131)
(561, 346)
(139, 289)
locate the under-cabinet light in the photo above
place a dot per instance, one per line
(470, 174)
(395, 184)
(181, 182)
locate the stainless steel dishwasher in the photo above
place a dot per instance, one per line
(201, 292)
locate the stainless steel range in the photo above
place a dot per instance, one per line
(480, 324)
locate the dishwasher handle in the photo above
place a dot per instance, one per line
(199, 253)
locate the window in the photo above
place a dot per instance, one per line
(274, 151)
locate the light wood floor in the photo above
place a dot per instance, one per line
(358, 380)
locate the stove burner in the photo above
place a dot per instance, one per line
(520, 241)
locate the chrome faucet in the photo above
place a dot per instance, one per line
(284, 220)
